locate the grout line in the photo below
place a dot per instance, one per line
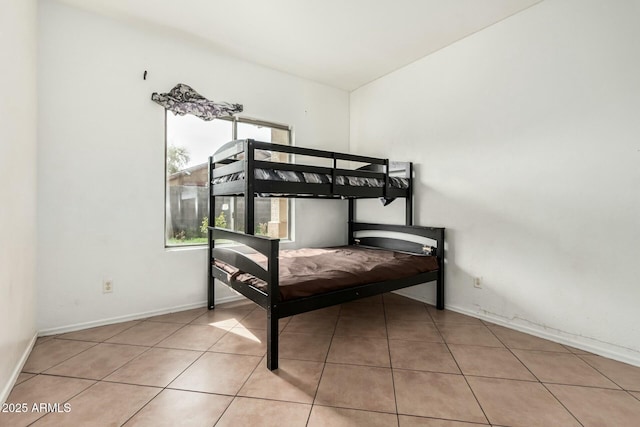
(62, 336)
(165, 387)
(601, 373)
(68, 400)
(324, 364)
(536, 377)
(514, 355)
(464, 376)
(345, 407)
(185, 369)
(70, 357)
(393, 380)
(563, 405)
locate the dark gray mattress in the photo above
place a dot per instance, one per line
(314, 178)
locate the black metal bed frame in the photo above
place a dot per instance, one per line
(270, 299)
(227, 160)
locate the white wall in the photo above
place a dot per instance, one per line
(18, 186)
(101, 161)
(526, 143)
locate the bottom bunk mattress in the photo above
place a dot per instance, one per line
(314, 271)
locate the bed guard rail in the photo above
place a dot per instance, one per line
(232, 255)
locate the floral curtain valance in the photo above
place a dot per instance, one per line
(182, 99)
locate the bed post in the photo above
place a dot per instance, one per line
(249, 196)
(440, 280)
(352, 218)
(211, 212)
(409, 199)
(273, 309)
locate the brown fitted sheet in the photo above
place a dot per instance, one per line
(307, 272)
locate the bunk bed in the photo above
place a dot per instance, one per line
(379, 258)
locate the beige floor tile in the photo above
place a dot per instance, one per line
(224, 318)
(359, 351)
(360, 327)
(356, 387)
(413, 331)
(408, 421)
(240, 340)
(257, 319)
(193, 337)
(100, 333)
(466, 334)
(145, 333)
(183, 317)
(304, 325)
(104, 404)
(577, 350)
(22, 377)
(379, 308)
(41, 340)
(293, 381)
(391, 298)
(626, 376)
(52, 352)
(448, 316)
(217, 373)
(304, 346)
(242, 304)
(322, 313)
(346, 392)
(40, 389)
(97, 362)
(596, 407)
(490, 362)
(351, 309)
(249, 412)
(376, 299)
(157, 367)
(422, 356)
(181, 408)
(508, 402)
(562, 368)
(407, 312)
(519, 340)
(325, 416)
(436, 395)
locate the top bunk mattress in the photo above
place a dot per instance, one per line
(313, 178)
(313, 271)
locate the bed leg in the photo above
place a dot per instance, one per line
(211, 299)
(272, 340)
(440, 292)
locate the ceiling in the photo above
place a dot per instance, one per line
(341, 43)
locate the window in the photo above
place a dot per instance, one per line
(189, 143)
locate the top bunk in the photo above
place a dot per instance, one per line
(245, 167)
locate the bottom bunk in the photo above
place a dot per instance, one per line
(291, 282)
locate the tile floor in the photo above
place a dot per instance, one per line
(383, 361)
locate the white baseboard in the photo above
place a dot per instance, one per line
(134, 316)
(610, 351)
(603, 349)
(6, 390)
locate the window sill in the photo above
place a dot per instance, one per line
(184, 248)
(285, 242)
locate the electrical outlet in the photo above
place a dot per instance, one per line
(107, 286)
(477, 282)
